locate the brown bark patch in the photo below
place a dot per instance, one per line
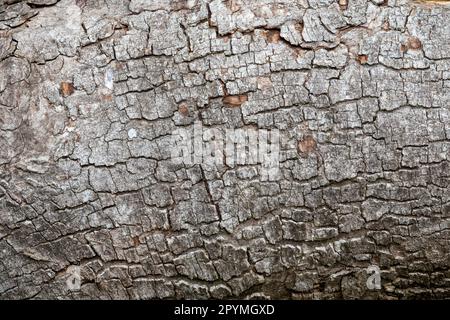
(183, 109)
(80, 3)
(414, 43)
(233, 5)
(107, 97)
(343, 4)
(307, 145)
(264, 83)
(235, 101)
(136, 241)
(363, 58)
(273, 36)
(66, 89)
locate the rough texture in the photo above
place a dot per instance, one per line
(90, 91)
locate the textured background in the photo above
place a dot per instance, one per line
(90, 91)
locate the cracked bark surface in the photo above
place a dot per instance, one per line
(90, 91)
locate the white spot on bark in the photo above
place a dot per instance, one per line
(132, 133)
(109, 79)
